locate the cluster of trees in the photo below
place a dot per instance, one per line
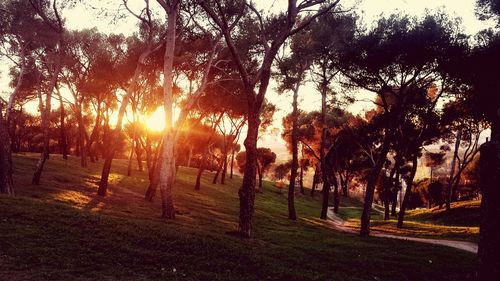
(214, 60)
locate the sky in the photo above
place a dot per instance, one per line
(82, 17)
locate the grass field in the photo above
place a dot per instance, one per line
(460, 223)
(61, 230)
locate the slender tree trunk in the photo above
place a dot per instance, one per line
(370, 187)
(191, 147)
(219, 169)
(315, 181)
(449, 190)
(6, 182)
(154, 175)
(138, 155)
(168, 171)
(46, 122)
(81, 136)
(295, 156)
(201, 168)
(247, 189)
(232, 164)
(63, 144)
(324, 171)
(114, 137)
(130, 157)
(95, 131)
(489, 244)
(224, 165)
(406, 199)
(259, 174)
(336, 198)
(6, 167)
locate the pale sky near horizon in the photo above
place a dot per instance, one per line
(370, 10)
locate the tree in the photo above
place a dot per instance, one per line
(271, 34)
(292, 72)
(425, 48)
(485, 58)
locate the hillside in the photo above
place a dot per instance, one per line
(62, 231)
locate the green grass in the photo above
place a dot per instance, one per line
(61, 230)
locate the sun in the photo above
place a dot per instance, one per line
(156, 121)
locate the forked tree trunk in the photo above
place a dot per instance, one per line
(406, 199)
(370, 188)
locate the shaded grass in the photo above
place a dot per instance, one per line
(61, 230)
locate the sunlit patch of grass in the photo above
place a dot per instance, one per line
(464, 213)
(418, 229)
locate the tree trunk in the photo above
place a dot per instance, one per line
(449, 190)
(315, 181)
(370, 188)
(168, 171)
(247, 189)
(191, 147)
(219, 169)
(259, 174)
(324, 171)
(406, 199)
(295, 157)
(46, 123)
(154, 175)
(6, 181)
(114, 137)
(81, 136)
(489, 244)
(63, 144)
(130, 157)
(336, 199)
(224, 168)
(201, 168)
(232, 164)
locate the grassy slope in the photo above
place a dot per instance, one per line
(460, 223)
(61, 230)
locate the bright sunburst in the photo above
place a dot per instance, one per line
(156, 121)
